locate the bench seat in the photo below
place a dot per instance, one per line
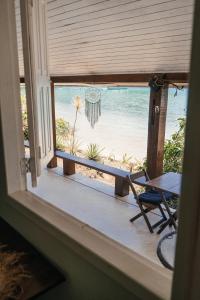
(69, 161)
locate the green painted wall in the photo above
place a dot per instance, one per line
(87, 276)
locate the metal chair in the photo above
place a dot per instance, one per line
(148, 200)
(168, 240)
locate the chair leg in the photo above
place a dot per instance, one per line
(159, 223)
(145, 217)
(163, 226)
(162, 212)
(139, 215)
(171, 217)
(143, 214)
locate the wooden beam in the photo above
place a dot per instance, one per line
(53, 161)
(156, 131)
(118, 78)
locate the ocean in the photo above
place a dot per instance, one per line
(123, 124)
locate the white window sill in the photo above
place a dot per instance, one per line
(148, 274)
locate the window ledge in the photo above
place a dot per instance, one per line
(148, 275)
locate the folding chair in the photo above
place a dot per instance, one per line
(149, 200)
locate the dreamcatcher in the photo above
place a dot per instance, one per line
(92, 105)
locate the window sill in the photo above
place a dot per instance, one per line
(150, 276)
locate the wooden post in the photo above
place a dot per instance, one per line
(121, 186)
(53, 161)
(156, 131)
(69, 167)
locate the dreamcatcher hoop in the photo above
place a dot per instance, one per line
(93, 105)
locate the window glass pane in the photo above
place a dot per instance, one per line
(177, 106)
(121, 130)
(175, 130)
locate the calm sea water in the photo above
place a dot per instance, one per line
(122, 127)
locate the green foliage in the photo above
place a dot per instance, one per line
(174, 148)
(94, 152)
(65, 137)
(24, 118)
(111, 157)
(62, 133)
(73, 142)
(173, 155)
(141, 165)
(173, 151)
(73, 145)
(25, 125)
(126, 159)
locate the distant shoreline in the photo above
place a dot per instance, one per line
(123, 125)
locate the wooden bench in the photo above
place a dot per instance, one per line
(69, 162)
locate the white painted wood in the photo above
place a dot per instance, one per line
(38, 81)
(126, 66)
(30, 77)
(187, 264)
(70, 4)
(118, 22)
(135, 50)
(115, 11)
(114, 29)
(148, 280)
(42, 81)
(116, 39)
(10, 104)
(85, 31)
(129, 41)
(100, 200)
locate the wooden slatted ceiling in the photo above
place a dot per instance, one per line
(117, 36)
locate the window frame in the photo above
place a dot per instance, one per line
(128, 263)
(142, 276)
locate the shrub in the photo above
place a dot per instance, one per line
(73, 145)
(111, 157)
(126, 159)
(174, 148)
(24, 118)
(62, 133)
(173, 151)
(25, 125)
(94, 152)
(73, 142)
(173, 154)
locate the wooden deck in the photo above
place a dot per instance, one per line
(95, 204)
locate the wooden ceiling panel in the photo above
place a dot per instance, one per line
(116, 36)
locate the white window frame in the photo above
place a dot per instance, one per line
(143, 274)
(138, 270)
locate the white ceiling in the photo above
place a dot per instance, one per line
(117, 36)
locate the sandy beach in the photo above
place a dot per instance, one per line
(122, 127)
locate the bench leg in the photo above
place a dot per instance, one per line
(121, 187)
(52, 163)
(68, 167)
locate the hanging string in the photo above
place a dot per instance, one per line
(157, 82)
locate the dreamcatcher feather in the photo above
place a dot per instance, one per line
(92, 105)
